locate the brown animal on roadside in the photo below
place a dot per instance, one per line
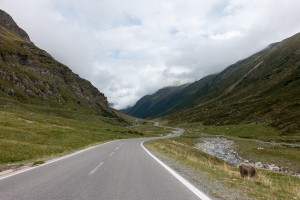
(247, 170)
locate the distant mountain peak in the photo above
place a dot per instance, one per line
(7, 22)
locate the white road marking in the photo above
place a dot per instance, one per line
(96, 168)
(191, 187)
(112, 153)
(117, 148)
(54, 160)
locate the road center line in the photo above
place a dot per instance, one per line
(96, 168)
(55, 160)
(191, 187)
(112, 153)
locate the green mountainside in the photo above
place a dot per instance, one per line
(157, 104)
(169, 99)
(46, 110)
(30, 75)
(263, 88)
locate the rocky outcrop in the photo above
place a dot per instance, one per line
(7, 21)
(31, 75)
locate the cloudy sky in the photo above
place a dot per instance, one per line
(130, 48)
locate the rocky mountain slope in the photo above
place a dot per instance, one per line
(261, 88)
(30, 75)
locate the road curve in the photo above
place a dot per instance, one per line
(115, 170)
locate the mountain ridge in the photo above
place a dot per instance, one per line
(262, 88)
(7, 21)
(30, 75)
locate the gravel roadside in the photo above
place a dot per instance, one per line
(213, 188)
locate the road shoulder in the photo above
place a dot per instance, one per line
(213, 188)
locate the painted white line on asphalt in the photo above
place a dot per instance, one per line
(112, 153)
(117, 148)
(190, 186)
(54, 160)
(96, 168)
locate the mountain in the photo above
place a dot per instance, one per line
(6, 21)
(169, 99)
(261, 88)
(30, 75)
(157, 104)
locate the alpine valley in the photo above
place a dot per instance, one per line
(45, 108)
(263, 88)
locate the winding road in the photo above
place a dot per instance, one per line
(121, 169)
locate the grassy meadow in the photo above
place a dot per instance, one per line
(244, 131)
(30, 133)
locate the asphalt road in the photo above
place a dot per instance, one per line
(115, 170)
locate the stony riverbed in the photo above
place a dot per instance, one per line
(224, 149)
(221, 148)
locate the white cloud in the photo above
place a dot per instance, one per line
(130, 48)
(226, 36)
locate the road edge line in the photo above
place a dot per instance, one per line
(54, 160)
(186, 183)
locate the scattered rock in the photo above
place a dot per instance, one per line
(224, 149)
(221, 148)
(258, 164)
(273, 167)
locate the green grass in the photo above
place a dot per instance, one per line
(9, 40)
(25, 136)
(268, 185)
(280, 155)
(29, 133)
(248, 131)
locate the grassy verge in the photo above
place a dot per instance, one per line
(268, 185)
(29, 135)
